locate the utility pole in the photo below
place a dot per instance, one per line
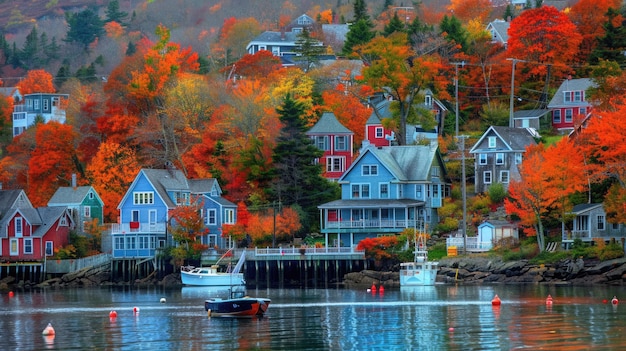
(511, 124)
(462, 138)
(456, 94)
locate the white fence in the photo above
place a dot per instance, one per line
(473, 245)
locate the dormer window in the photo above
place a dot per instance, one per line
(428, 101)
(567, 96)
(578, 96)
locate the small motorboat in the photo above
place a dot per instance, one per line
(237, 305)
(210, 276)
(420, 272)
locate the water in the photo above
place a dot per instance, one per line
(444, 317)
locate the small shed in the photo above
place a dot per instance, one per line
(496, 230)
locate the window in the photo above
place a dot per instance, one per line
(487, 177)
(130, 242)
(211, 217)
(341, 143)
(582, 111)
(90, 195)
(601, 225)
(320, 142)
(335, 164)
(567, 96)
(360, 191)
(18, 227)
(28, 246)
(143, 198)
(384, 190)
(144, 242)
(434, 171)
(296, 30)
(230, 216)
(63, 221)
(518, 158)
(87, 211)
(428, 101)
(492, 142)
(49, 248)
(418, 191)
(556, 116)
(46, 106)
(55, 101)
(36, 105)
(379, 132)
(14, 247)
(134, 216)
(482, 159)
(499, 158)
(578, 96)
(504, 177)
(369, 170)
(119, 243)
(568, 115)
(19, 116)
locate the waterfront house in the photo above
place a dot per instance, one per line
(49, 107)
(590, 223)
(329, 135)
(570, 105)
(144, 211)
(83, 202)
(385, 191)
(29, 234)
(497, 155)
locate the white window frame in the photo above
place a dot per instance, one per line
(359, 190)
(49, 248)
(500, 158)
(229, 215)
(569, 115)
(211, 216)
(380, 132)
(36, 104)
(504, 177)
(578, 96)
(144, 242)
(335, 164)
(119, 243)
(19, 227)
(46, 106)
(131, 243)
(143, 198)
(582, 111)
(383, 190)
(321, 142)
(369, 170)
(87, 211)
(341, 143)
(14, 247)
(556, 116)
(418, 191)
(487, 178)
(492, 142)
(28, 246)
(601, 222)
(518, 158)
(567, 96)
(482, 159)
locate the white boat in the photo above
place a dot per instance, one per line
(421, 271)
(211, 276)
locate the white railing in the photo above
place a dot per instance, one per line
(137, 227)
(472, 243)
(281, 251)
(373, 223)
(76, 264)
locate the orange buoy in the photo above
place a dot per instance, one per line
(11, 294)
(614, 301)
(48, 330)
(496, 301)
(112, 314)
(549, 300)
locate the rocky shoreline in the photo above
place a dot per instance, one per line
(479, 270)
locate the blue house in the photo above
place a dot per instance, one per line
(385, 191)
(144, 212)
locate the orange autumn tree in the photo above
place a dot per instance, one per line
(467, 10)
(187, 226)
(287, 224)
(379, 248)
(589, 18)
(548, 177)
(36, 81)
(52, 162)
(349, 110)
(111, 171)
(543, 37)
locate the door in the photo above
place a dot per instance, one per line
(152, 219)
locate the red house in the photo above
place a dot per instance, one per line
(569, 105)
(28, 233)
(336, 141)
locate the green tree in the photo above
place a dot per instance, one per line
(308, 48)
(85, 27)
(297, 179)
(394, 25)
(612, 45)
(454, 31)
(361, 30)
(114, 14)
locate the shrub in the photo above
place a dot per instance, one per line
(497, 193)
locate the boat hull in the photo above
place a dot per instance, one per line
(418, 273)
(213, 279)
(239, 307)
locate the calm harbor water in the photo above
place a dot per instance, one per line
(444, 317)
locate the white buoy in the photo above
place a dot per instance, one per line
(162, 300)
(135, 310)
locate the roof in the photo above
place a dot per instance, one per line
(68, 195)
(202, 186)
(288, 38)
(580, 84)
(497, 223)
(328, 124)
(9, 199)
(383, 110)
(501, 27)
(537, 113)
(406, 162)
(48, 217)
(516, 139)
(581, 208)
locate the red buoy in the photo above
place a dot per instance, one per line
(549, 300)
(48, 330)
(135, 310)
(11, 294)
(373, 287)
(614, 301)
(496, 301)
(112, 314)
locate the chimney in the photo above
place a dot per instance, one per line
(74, 180)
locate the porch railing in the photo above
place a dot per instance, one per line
(373, 223)
(137, 228)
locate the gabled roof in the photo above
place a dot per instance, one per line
(406, 163)
(222, 201)
(67, 195)
(515, 139)
(580, 84)
(382, 108)
(328, 124)
(537, 113)
(13, 199)
(501, 29)
(582, 208)
(284, 38)
(48, 217)
(203, 186)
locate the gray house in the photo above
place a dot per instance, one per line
(497, 155)
(590, 223)
(83, 203)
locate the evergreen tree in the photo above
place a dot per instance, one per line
(454, 30)
(63, 74)
(52, 50)
(395, 25)
(297, 179)
(5, 49)
(15, 57)
(30, 50)
(416, 30)
(85, 27)
(508, 13)
(308, 49)
(113, 13)
(360, 31)
(131, 49)
(612, 45)
(87, 74)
